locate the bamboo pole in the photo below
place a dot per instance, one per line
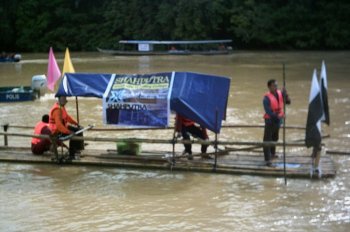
(163, 141)
(173, 144)
(284, 126)
(225, 126)
(242, 148)
(25, 135)
(216, 140)
(259, 146)
(5, 126)
(77, 109)
(53, 140)
(21, 127)
(334, 152)
(258, 126)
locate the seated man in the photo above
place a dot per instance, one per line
(39, 146)
(186, 126)
(61, 124)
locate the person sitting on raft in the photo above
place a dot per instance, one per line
(62, 124)
(186, 127)
(40, 145)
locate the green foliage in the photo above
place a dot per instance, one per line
(83, 25)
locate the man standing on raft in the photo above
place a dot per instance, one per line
(273, 105)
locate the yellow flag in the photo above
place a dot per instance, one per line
(67, 66)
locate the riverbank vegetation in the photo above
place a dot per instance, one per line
(83, 25)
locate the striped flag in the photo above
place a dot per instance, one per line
(67, 65)
(313, 123)
(324, 94)
(53, 72)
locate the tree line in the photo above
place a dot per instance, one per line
(83, 25)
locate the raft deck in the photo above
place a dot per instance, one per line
(298, 166)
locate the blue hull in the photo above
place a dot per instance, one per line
(16, 94)
(8, 60)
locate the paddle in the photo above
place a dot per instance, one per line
(284, 125)
(64, 138)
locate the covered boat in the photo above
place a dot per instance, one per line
(171, 47)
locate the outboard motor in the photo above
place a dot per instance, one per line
(17, 57)
(39, 84)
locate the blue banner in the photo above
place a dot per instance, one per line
(138, 100)
(196, 96)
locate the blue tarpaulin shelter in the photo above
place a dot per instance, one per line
(199, 97)
(83, 84)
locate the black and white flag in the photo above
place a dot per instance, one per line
(324, 94)
(314, 116)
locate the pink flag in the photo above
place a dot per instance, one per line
(53, 72)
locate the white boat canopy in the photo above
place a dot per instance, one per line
(175, 41)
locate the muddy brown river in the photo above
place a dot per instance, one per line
(64, 198)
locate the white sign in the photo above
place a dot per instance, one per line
(145, 47)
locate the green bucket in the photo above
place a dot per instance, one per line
(128, 148)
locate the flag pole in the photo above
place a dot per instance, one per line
(77, 108)
(284, 126)
(216, 140)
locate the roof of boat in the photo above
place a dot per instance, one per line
(175, 41)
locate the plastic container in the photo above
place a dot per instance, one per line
(128, 148)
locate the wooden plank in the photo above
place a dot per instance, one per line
(334, 152)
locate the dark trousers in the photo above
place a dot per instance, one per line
(270, 134)
(75, 145)
(196, 132)
(41, 147)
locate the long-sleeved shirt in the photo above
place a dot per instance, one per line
(58, 121)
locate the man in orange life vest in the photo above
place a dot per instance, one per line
(60, 124)
(39, 146)
(186, 126)
(273, 104)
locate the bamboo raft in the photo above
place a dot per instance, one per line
(298, 166)
(229, 161)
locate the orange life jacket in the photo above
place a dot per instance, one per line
(37, 130)
(276, 106)
(64, 116)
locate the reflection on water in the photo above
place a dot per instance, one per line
(70, 198)
(63, 198)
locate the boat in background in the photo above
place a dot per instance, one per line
(24, 93)
(5, 58)
(17, 94)
(174, 47)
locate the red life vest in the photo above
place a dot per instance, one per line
(64, 115)
(37, 130)
(184, 121)
(276, 106)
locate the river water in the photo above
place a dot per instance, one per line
(63, 198)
